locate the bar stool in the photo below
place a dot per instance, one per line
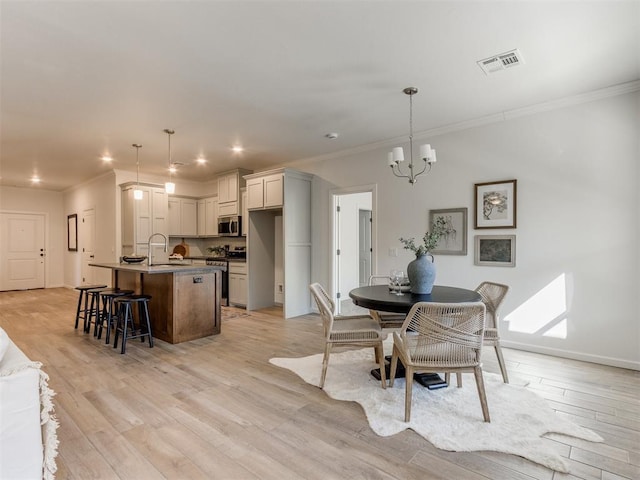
(126, 325)
(81, 312)
(108, 312)
(92, 314)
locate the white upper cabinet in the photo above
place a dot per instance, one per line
(208, 217)
(228, 188)
(229, 185)
(265, 191)
(183, 217)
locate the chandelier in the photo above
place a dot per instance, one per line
(396, 156)
(169, 186)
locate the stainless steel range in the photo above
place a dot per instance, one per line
(237, 254)
(224, 263)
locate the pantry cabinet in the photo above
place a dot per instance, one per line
(142, 218)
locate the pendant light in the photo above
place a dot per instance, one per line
(137, 193)
(396, 156)
(169, 186)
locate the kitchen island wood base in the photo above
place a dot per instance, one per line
(185, 302)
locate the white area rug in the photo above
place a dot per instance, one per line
(450, 418)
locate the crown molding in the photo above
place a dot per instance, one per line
(592, 96)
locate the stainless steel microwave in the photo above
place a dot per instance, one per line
(230, 226)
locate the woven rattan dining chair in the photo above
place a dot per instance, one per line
(385, 319)
(492, 296)
(361, 331)
(440, 337)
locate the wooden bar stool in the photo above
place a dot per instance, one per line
(81, 312)
(92, 314)
(108, 313)
(126, 323)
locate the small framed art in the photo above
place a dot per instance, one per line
(495, 204)
(454, 240)
(495, 250)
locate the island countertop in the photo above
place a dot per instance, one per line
(161, 268)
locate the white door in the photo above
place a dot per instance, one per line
(87, 241)
(22, 251)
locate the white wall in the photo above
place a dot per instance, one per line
(49, 203)
(99, 194)
(575, 284)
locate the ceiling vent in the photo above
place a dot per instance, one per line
(501, 61)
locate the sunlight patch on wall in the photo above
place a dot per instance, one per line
(544, 313)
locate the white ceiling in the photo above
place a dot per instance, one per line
(81, 79)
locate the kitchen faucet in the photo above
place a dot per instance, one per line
(149, 245)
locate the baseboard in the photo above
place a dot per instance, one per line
(585, 357)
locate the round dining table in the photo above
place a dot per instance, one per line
(380, 297)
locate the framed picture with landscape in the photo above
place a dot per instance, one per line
(495, 204)
(495, 250)
(454, 240)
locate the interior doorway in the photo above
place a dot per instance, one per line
(353, 243)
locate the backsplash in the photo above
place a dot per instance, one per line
(198, 246)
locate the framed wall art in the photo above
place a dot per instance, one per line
(454, 240)
(495, 204)
(495, 250)
(72, 232)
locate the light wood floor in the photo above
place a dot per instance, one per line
(216, 409)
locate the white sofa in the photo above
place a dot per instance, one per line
(28, 439)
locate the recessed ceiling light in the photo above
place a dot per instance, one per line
(173, 168)
(237, 149)
(107, 158)
(35, 179)
(201, 160)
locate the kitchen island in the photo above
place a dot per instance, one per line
(185, 302)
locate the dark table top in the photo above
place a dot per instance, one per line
(378, 297)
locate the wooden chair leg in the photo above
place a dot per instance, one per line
(503, 366)
(459, 379)
(408, 391)
(380, 355)
(477, 372)
(325, 363)
(394, 365)
(447, 378)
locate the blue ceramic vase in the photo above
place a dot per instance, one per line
(422, 274)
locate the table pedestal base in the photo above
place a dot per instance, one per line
(432, 381)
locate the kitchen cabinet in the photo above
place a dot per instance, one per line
(229, 185)
(279, 247)
(141, 218)
(208, 217)
(183, 217)
(238, 284)
(265, 191)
